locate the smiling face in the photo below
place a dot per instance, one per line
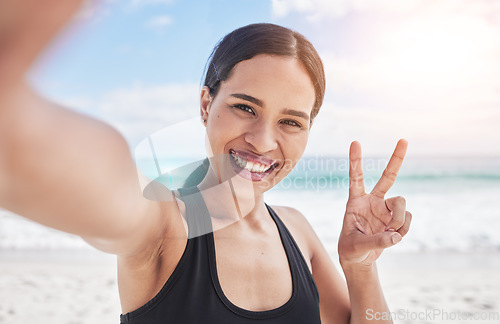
(258, 123)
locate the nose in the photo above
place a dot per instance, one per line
(262, 136)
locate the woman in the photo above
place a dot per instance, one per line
(214, 252)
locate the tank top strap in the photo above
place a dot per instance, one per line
(197, 215)
(192, 294)
(296, 259)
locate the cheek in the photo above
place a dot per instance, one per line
(297, 145)
(221, 128)
(295, 148)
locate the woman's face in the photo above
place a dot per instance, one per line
(258, 123)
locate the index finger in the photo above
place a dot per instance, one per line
(356, 179)
(391, 171)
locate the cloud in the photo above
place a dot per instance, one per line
(138, 110)
(142, 3)
(370, 101)
(432, 77)
(159, 23)
(436, 60)
(453, 131)
(319, 9)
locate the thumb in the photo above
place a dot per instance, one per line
(378, 241)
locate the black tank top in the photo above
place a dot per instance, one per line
(193, 293)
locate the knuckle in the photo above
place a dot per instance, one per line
(406, 226)
(384, 241)
(403, 231)
(401, 221)
(390, 174)
(397, 224)
(356, 178)
(398, 203)
(408, 221)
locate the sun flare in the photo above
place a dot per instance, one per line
(440, 50)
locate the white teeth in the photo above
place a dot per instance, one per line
(250, 166)
(240, 162)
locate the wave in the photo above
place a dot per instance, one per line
(454, 202)
(332, 172)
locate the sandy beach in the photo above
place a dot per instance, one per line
(69, 288)
(51, 288)
(442, 287)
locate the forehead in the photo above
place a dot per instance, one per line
(278, 81)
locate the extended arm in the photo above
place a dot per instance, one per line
(60, 168)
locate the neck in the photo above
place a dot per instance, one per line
(231, 201)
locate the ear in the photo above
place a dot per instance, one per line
(205, 103)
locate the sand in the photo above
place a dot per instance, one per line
(73, 288)
(442, 287)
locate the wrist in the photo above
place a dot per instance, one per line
(352, 269)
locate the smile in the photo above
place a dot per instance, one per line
(252, 167)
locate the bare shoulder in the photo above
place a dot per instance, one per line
(292, 217)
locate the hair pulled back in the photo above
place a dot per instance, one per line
(264, 38)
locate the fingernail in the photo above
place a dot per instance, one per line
(390, 229)
(396, 238)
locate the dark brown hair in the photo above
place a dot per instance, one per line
(251, 40)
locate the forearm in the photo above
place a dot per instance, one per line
(62, 169)
(367, 300)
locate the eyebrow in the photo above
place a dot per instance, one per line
(259, 102)
(297, 113)
(248, 98)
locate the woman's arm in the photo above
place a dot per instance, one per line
(368, 304)
(371, 224)
(26, 27)
(60, 168)
(361, 300)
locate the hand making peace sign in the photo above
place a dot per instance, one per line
(371, 222)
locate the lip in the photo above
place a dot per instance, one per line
(253, 158)
(253, 176)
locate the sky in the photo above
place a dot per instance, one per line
(424, 70)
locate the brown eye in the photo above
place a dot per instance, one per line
(244, 108)
(289, 122)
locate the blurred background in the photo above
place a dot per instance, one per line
(424, 70)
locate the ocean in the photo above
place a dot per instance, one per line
(455, 203)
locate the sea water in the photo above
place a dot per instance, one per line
(455, 202)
